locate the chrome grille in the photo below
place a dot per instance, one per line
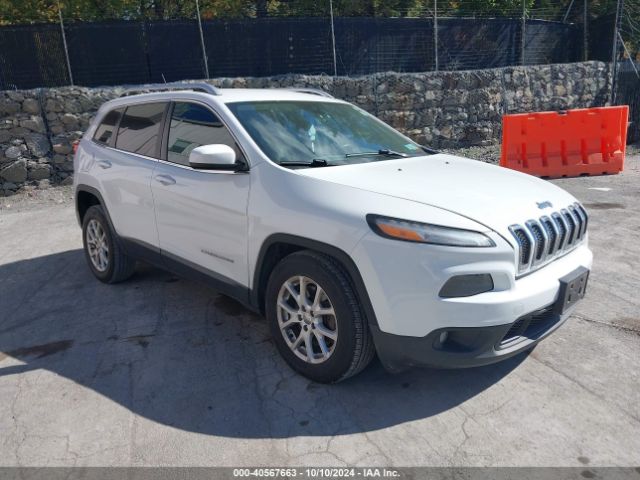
(578, 219)
(562, 229)
(552, 234)
(540, 241)
(525, 242)
(571, 226)
(581, 211)
(581, 215)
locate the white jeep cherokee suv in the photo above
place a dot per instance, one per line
(348, 236)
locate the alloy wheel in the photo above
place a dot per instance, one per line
(307, 319)
(97, 245)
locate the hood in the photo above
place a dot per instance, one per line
(494, 196)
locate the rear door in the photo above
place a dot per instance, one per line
(126, 169)
(201, 214)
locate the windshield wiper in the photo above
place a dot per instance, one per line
(429, 150)
(384, 152)
(316, 162)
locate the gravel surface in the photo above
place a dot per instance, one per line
(36, 199)
(489, 153)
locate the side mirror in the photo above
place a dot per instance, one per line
(213, 157)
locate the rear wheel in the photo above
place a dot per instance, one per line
(316, 319)
(105, 256)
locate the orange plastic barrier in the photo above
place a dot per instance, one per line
(570, 143)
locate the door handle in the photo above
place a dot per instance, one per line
(104, 163)
(165, 179)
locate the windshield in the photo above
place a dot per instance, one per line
(320, 133)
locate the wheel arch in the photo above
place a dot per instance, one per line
(279, 245)
(86, 197)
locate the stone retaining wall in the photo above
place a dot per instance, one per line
(441, 109)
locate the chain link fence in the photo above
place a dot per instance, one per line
(188, 39)
(626, 63)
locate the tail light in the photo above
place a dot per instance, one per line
(75, 146)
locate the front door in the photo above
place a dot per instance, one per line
(201, 215)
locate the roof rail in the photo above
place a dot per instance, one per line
(167, 87)
(312, 91)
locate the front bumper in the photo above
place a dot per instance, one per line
(465, 347)
(403, 281)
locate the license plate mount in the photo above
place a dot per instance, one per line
(573, 287)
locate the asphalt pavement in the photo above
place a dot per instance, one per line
(163, 371)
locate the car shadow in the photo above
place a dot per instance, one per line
(177, 353)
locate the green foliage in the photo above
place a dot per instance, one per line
(21, 11)
(30, 11)
(490, 7)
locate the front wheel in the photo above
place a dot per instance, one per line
(315, 318)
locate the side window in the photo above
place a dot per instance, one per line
(194, 125)
(106, 129)
(139, 130)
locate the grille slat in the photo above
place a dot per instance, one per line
(571, 226)
(541, 240)
(585, 217)
(578, 221)
(538, 239)
(552, 234)
(525, 245)
(580, 213)
(562, 230)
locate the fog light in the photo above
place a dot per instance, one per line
(467, 285)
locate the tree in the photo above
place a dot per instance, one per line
(29, 11)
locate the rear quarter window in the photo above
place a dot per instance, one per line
(139, 130)
(106, 130)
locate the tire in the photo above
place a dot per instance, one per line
(342, 357)
(115, 266)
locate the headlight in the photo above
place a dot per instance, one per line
(427, 233)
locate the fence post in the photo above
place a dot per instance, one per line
(333, 40)
(614, 54)
(435, 34)
(523, 32)
(204, 50)
(145, 48)
(566, 14)
(585, 30)
(64, 44)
